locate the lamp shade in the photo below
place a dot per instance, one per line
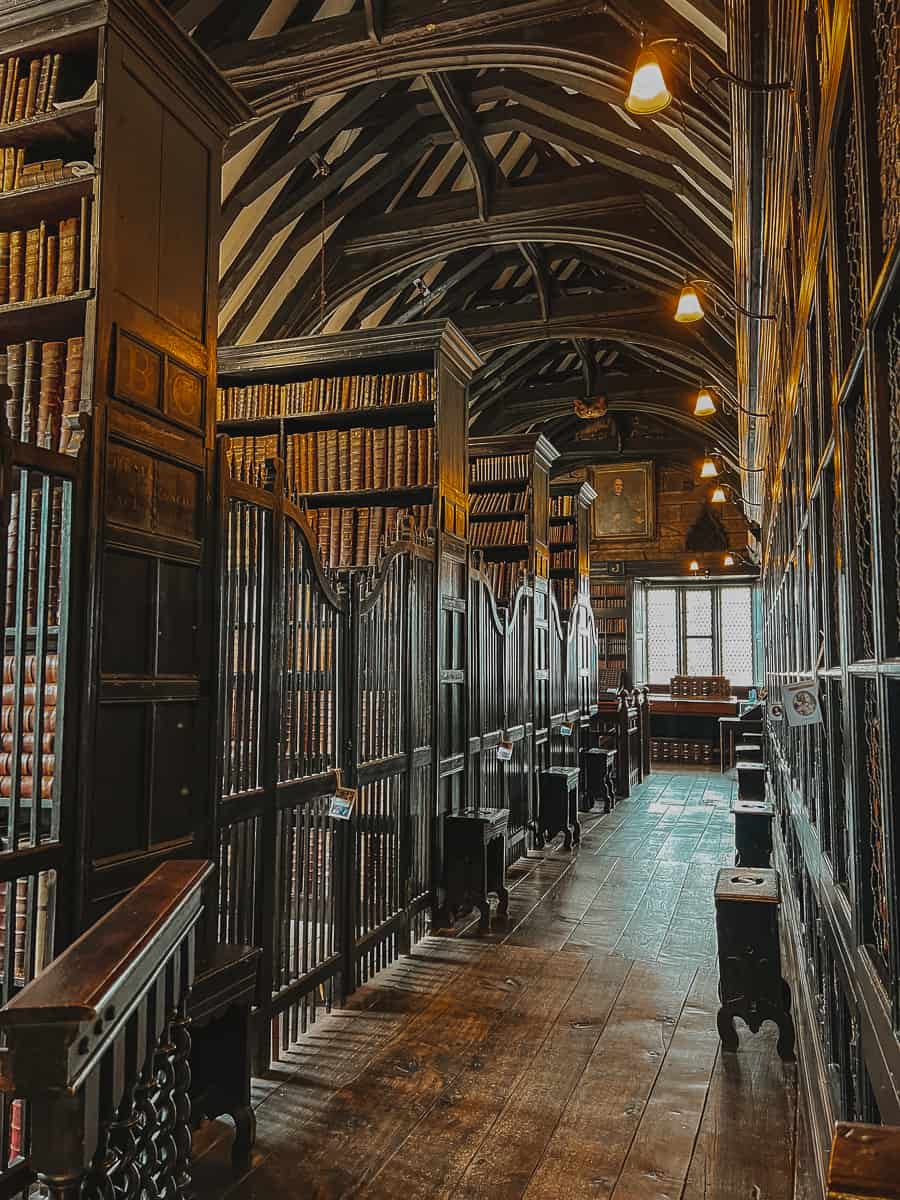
(648, 93)
(728, 560)
(704, 405)
(718, 496)
(709, 470)
(689, 308)
(695, 566)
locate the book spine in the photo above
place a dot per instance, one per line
(68, 257)
(16, 265)
(54, 82)
(32, 260)
(31, 89)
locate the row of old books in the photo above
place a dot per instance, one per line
(561, 535)
(326, 395)
(564, 590)
(28, 88)
(487, 503)
(611, 625)
(36, 264)
(38, 567)
(562, 506)
(44, 379)
(247, 457)
(20, 716)
(16, 173)
(506, 468)
(354, 537)
(499, 533)
(336, 460)
(504, 578)
(564, 560)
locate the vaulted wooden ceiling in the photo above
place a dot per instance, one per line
(473, 159)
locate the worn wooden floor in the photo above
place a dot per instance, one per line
(572, 1052)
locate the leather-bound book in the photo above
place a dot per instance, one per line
(15, 377)
(32, 261)
(376, 526)
(9, 90)
(356, 459)
(412, 457)
(31, 388)
(346, 552)
(19, 168)
(4, 268)
(379, 458)
(51, 269)
(42, 260)
(68, 257)
(400, 461)
(321, 461)
(334, 543)
(21, 100)
(43, 90)
(333, 479)
(54, 81)
(9, 169)
(361, 540)
(343, 454)
(71, 387)
(31, 88)
(16, 265)
(50, 406)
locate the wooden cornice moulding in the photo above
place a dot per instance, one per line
(354, 349)
(865, 1163)
(223, 107)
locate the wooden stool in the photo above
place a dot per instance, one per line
(557, 807)
(475, 854)
(219, 1010)
(599, 767)
(753, 833)
(751, 780)
(751, 985)
(749, 752)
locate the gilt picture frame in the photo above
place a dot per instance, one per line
(625, 508)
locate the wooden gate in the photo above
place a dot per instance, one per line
(281, 856)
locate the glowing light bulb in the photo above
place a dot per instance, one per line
(648, 93)
(709, 470)
(718, 496)
(689, 308)
(704, 405)
(695, 566)
(728, 560)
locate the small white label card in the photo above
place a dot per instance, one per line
(504, 751)
(565, 731)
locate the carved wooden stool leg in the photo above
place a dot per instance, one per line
(62, 1187)
(244, 1139)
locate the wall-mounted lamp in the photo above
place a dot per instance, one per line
(694, 567)
(690, 309)
(718, 496)
(649, 93)
(704, 405)
(709, 470)
(728, 560)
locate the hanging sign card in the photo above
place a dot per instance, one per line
(801, 702)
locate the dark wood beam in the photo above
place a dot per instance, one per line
(374, 10)
(542, 279)
(484, 172)
(323, 44)
(588, 365)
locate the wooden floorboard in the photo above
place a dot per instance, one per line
(569, 1052)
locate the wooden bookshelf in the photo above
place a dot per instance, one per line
(611, 601)
(109, 348)
(570, 541)
(509, 481)
(344, 443)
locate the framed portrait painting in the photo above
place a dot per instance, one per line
(626, 501)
